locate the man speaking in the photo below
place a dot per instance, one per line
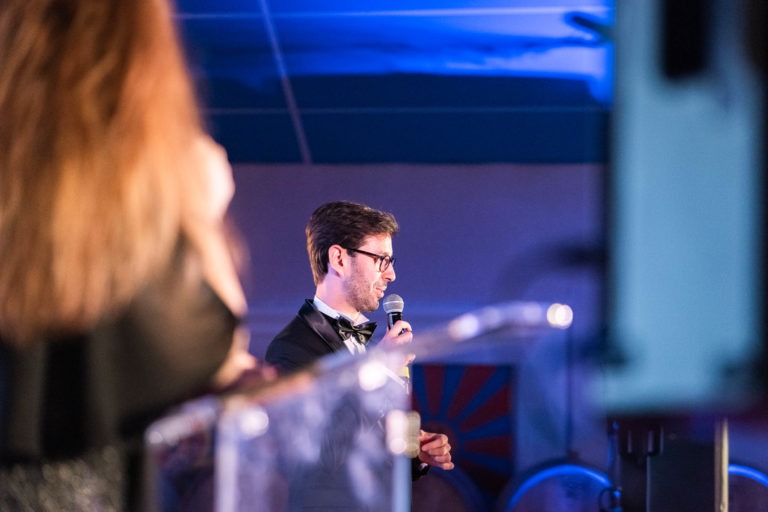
(350, 252)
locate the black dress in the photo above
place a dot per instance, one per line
(73, 408)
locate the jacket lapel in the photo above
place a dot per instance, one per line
(321, 325)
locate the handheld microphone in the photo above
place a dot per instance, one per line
(393, 306)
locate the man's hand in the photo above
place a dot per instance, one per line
(435, 450)
(399, 334)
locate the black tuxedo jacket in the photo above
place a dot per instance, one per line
(306, 338)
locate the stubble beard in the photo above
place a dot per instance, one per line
(360, 294)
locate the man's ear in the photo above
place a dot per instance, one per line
(337, 259)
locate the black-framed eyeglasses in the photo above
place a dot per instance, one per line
(384, 261)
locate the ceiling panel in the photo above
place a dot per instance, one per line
(403, 81)
(465, 137)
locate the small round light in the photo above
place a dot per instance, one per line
(254, 423)
(372, 375)
(560, 315)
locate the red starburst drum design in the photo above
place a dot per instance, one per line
(474, 406)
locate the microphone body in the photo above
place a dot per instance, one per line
(393, 317)
(393, 306)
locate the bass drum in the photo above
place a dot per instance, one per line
(446, 491)
(558, 487)
(569, 487)
(747, 489)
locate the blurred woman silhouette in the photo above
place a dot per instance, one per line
(119, 295)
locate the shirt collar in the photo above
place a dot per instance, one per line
(329, 311)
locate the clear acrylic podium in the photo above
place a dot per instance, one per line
(338, 436)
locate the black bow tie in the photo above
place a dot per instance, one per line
(361, 332)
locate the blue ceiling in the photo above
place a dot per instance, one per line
(419, 81)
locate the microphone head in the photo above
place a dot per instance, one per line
(393, 303)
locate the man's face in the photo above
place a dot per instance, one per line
(366, 285)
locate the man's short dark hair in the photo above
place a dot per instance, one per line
(344, 223)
